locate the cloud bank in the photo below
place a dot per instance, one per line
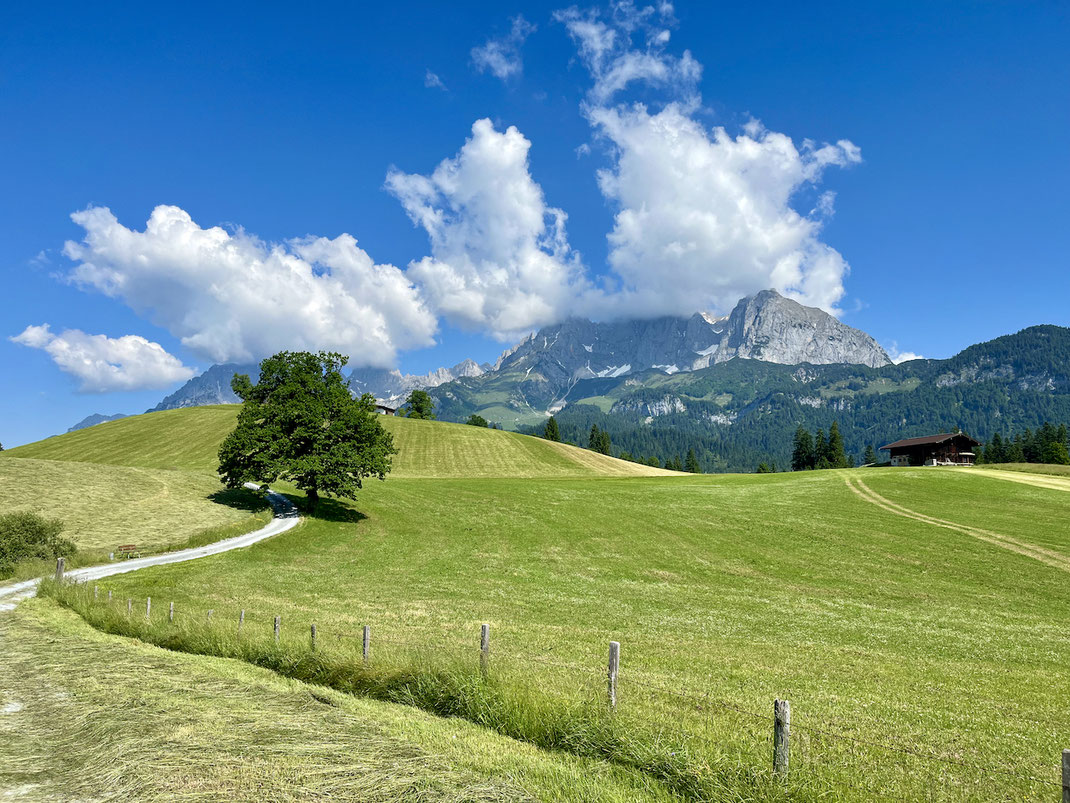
(230, 297)
(701, 217)
(105, 364)
(500, 259)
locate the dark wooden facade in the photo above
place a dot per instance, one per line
(951, 449)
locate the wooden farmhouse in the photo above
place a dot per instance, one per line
(952, 449)
(384, 409)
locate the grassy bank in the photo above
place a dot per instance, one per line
(105, 506)
(87, 716)
(880, 607)
(738, 590)
(189, 439)
(571, 716)
(1029, 468)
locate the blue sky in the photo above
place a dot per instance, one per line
(930, 209)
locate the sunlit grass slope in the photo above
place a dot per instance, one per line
(173, 439)
(85, 716)
(103, 506)
(190, 439)
(730, 590)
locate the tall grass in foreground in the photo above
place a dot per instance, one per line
(697, 747)
(566, 714)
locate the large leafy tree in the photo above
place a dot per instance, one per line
(420, 405)
(300, 423)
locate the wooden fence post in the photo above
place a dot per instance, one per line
(313, 634)
(148, 609)
(611, 676)
(109, 596)
(129, 607)
(171, 612)
(484, 649)
(366, 647)
(241, 620)
(278, 625)
(1066, 776)
(59, 569)
(96, 592)
(781, 736)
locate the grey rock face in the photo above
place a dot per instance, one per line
(94, 419)
(211, 387)
(765, 326)
(392, 387)
(769, 327)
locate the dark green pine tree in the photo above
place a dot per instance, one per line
(802, 455)
(834, 452)
(995, 452)
(595, 438)
(604, 445)
(821, 450)
(870, 456)
(1014, 451)
(1055, 453)
(691, 465)
(552, 433)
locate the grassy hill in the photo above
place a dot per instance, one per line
(877, 601)
(189, 439)
(105, 506)
(882, 618)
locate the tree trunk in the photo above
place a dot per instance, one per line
(313, 497)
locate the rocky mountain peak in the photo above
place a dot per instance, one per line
(769, 327)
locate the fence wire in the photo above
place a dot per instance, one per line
(698, 702)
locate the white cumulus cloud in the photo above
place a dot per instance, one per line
(104, 363)
(898, 356)
(501, 56)
(234, 298)
(702, 216)
(500, 259)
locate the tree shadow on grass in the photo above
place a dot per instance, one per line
(240, 499)
(330, 510)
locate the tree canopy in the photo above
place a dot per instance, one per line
(300, 423)
(819, 450)
(476, 420)
(420, 405)
(598, 440)
(26, 536)
(551, 433)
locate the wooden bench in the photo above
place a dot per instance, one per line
(129, 551)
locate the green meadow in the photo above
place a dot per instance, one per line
(915, 618)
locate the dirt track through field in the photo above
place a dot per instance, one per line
(1048, 481)
(286, 517)
(1046, 556)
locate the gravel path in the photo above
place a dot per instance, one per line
(286, 517)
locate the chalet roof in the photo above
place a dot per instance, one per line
(929, 440)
